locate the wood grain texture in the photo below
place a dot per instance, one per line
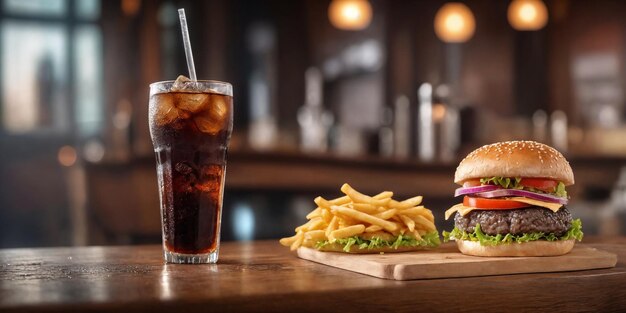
(266, 277)
(447, 262)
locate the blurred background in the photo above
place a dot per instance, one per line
(384, 95)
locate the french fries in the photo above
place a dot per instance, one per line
(410, 223)
(365, 208)
(373, 229)
(348, 231)
(357, 214)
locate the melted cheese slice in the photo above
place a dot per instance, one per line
(458, 208)
(463, 210)
(548, 205)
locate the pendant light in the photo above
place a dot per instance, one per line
(528, 14)
(454, 23)
(350, 14)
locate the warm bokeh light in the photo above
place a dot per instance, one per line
(528, 14)
(131, 7)
(454, 22)
(67, 156)
(350, 14)
(439, 112)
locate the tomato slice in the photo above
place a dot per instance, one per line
(539, 183)
(493, 204)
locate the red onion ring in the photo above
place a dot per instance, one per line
(471, 190)
(522, 193)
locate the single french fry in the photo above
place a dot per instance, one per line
(416, 234)
(348, 231)
(383, 195)
(365, 208)
(385, 215)
(358, 197)
(322, 203)
(326, 215)
(415, 201)
(319, 224)
(410, 224)
(340, 200)
(331, 226)
(296, 244)
(395, 204)
(315, 235)
(288, 240)
(424, 222)
(408, 203)
(314, 213)
(372, 228)
(389, 226)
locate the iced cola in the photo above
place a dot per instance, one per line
(190, 124)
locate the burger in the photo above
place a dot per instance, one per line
(514, 201)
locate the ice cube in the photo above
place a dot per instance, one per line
(191, 102)
(213, 119)
(218, 108)
(180, 83)
(187, 179)
(165, 111)
(184, 168)
(211, 178)
(206, 124)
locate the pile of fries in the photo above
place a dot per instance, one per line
(357, 214)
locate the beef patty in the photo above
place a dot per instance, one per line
(518, 221)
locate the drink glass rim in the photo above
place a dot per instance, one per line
(217, 86)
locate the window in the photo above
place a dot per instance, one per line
(51, 67)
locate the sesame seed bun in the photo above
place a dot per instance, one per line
(515, 159)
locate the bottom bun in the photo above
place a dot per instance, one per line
(355, 249)
(532, 248)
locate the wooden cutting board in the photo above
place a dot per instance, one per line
(446, 262)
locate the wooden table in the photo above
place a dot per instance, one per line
(265, 277)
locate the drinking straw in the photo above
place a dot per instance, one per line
(187, 44)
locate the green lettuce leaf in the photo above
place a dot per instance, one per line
(505, 182)
(574, 232)
(560, 190)
(428, 240)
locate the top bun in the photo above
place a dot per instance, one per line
(515, 159)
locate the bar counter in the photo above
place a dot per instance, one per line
(263, 276)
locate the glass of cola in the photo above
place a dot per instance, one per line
(190, 124)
